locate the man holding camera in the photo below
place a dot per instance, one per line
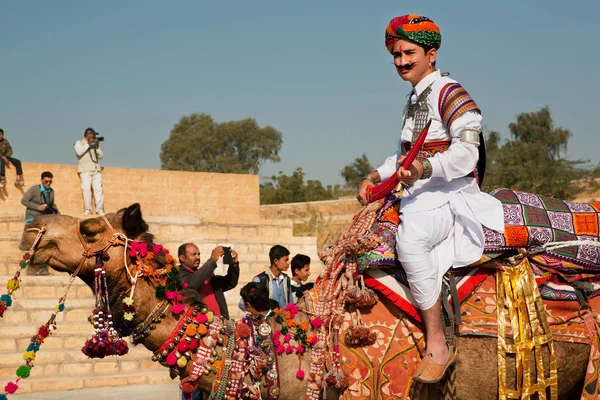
(204, 287)
(89, 156)
(39, 200)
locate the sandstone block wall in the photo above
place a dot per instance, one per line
(210, 196)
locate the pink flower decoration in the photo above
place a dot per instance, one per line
(289, 350)
(293, 309)
(10, 387)
(314, 339)
(277, 333)
(157, 248)
(178, 309)
(280, 350)
(184, 285)
(287, 338)
(276, 342)
(170, 295)
(143, 249)
(178, 297)
(300, 374)
(316, 322)
(138, 247)
(299, 350)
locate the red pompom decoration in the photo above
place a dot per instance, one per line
(242, 331)
(182, 346)
(171, 359)
(11, 387)
(202, 318)
(289, 350)
(188, 386)
(43, 331)
(300, 374)
(193, 345)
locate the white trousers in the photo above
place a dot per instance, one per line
(430, 242)
(89, 181)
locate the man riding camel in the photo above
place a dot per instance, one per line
(442, 208)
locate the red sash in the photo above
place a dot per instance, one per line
(208, 296)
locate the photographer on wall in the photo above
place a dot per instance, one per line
(89, 156)
(39, 200)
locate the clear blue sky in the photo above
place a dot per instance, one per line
(317, 71)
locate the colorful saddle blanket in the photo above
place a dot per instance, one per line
(530, 221)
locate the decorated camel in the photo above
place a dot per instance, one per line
(354, 335)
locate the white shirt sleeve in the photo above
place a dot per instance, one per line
(80, 147)
(390, 165)
(461, 158)
(100, 153)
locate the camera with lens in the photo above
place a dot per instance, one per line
(100, 138)
(50, 211)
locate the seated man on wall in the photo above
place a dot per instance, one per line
(6, 160)
(204, 287)
(39, 200)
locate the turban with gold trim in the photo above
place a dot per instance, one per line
(414, 27)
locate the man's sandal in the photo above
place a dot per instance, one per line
(2, 183)
(19, 182)
(430, 372)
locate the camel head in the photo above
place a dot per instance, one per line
(62, 244)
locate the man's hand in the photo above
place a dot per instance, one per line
(42, 207)
(6, 162)
(96, 143)
(234, 256)
(362, 192)
(217, 253)
(413, 174)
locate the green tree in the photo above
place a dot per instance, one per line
(293, 189)
(354, 172)
(533, 159)
(197, 143)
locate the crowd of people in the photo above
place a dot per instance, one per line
(269, 290)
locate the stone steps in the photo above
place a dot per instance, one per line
(129, 374)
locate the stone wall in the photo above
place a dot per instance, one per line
(327, 220)
(210, 196)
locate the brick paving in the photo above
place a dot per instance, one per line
(145, 392)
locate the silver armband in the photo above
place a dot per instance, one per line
(469, 135)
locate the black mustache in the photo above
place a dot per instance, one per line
(406, 67)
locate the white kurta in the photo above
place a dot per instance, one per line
(442, 217)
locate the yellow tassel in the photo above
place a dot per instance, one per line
(519, 304)
(12, 284)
